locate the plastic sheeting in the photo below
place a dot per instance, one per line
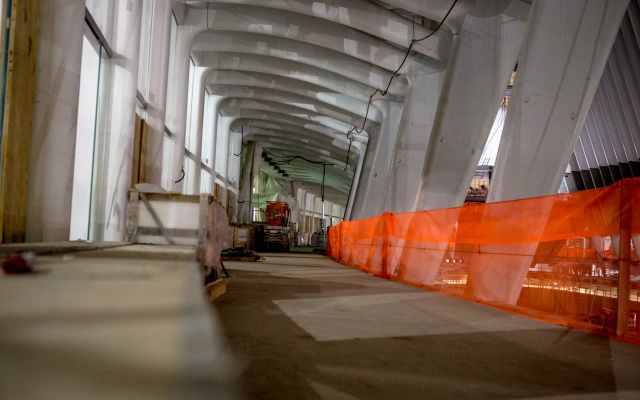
(266, 188)
(559, 254)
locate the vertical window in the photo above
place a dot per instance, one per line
(93, 78)
(85, 137)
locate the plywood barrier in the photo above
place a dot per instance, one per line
(569, 255)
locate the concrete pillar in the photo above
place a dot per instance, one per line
(369, 200)
(418, 115)
(360, 150)
(197, 118)
(484, 54)
(566, 49)
(235, 150)
(157, 87)
(177, 94)
(245, 186)
(222, 147)
(211, 114)
(54, 120)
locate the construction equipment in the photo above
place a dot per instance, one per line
(275, 234)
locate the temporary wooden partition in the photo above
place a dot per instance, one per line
(18, 114)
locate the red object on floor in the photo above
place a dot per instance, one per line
(17, 264)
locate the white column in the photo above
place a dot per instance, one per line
(222, 147)
(418, 115)
(371, 186)
(157, 87)
(566, 49)
(197, 118)
(484, 54)
(177, 94)
(54, 119)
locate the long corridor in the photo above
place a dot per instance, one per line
(305, 327)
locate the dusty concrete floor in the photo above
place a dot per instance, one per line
(308, 328)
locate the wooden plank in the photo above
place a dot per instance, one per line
(216, 288)
(135, 164)
(18, 114)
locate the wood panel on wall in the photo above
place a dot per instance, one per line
(18, 114)
(140, 139)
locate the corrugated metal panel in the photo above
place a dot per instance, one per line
(608, 148)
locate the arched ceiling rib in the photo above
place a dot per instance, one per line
(263, 118)
(317, 32)
(298, 135)
(292, 50)
(289, 99)
(269, 81)
(285, 68)
(364, 16)
(287, 124)
(231, 105)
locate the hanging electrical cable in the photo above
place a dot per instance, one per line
(397, 70)
(346, 164)
(241, 142)
(181, 176)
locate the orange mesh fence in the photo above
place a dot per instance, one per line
(563, 254)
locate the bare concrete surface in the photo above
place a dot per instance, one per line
(306, 327)
(48, 248)
(119, 323)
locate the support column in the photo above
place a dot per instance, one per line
(369, 196)
(418, 116)
(157, 88)
(566, 49)
(197, 119)
(54, 120)
(222, 147)
(483, 57)
(177, 94)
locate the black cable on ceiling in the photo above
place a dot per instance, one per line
(241, 142)
(396, 72)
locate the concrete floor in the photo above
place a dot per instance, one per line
(306, 327)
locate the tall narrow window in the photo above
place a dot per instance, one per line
(87, 121)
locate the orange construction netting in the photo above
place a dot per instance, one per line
(560, 254)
